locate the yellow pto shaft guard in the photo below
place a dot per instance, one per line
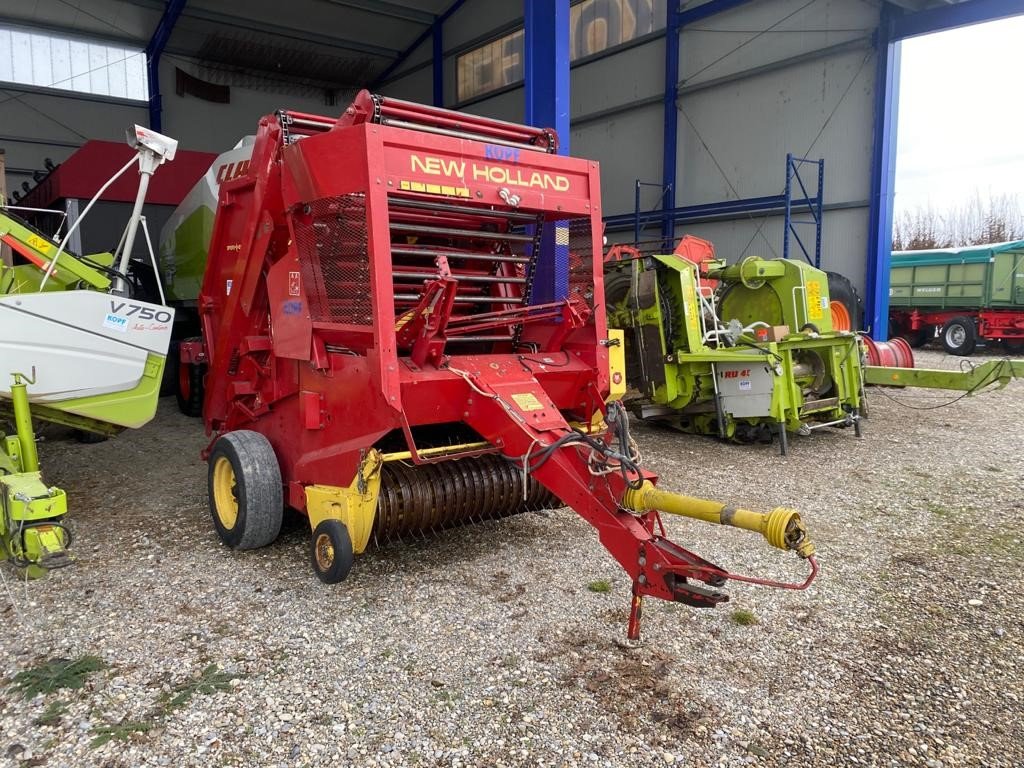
(782, 527)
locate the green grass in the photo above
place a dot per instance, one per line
(120, 732)
(601, 586)
(744, 618)
(209, 681)
(55, 674)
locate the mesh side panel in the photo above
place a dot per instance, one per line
(334, 259)
(581, 253)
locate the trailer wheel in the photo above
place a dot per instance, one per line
(190, 387)
(959, 336)
(845, 305)
(331, 551)
(246, 496)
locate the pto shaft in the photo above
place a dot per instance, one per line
(782, 527)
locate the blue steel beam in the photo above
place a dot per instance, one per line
(768, 205)
(707, 10)
(154, 51)
(546, 69)
(953, 16)
(411, 48)
(883, 180)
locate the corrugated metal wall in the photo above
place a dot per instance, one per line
(767, 78)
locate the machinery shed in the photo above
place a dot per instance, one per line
(521, 326)
(701, 104)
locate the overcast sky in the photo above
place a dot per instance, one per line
(961, 120)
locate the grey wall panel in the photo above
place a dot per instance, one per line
(476, 20)
(734, 138)
(632, 74)
(415, 86)
(844, 239)
(62, 120)
(210, 127)
(628, 147)
(759, 33)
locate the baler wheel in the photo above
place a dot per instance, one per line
(331, 551)
(246, 495)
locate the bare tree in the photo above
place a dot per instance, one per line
(978, 221)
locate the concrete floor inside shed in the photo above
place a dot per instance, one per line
(486, 646)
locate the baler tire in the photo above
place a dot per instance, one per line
(330, 551)
(841, 290)
(243, 467)
(967, 345)
(189, 388)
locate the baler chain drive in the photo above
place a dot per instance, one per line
(403, 327)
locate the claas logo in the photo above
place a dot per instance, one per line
(230, 171)
(744, 374)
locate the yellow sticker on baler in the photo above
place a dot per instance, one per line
(814, 300)
(527, 401)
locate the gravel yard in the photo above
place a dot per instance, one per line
(486, 646)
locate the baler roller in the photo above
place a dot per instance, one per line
(424, 205)
(461, 276)
(397, 250)
(469, 234)
(419, 499)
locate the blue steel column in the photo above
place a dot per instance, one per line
(546, 70)
(670, 130)
(438, 63)
(883, 180)
(154, 51)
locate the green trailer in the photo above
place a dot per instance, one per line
(966, 294)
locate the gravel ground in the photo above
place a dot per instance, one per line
(486, 647)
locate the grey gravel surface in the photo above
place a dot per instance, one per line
(485, 646)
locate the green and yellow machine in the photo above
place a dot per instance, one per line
(76, 348)
(744, 352)
(756, 349)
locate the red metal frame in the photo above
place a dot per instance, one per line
(323, 390)
(992, 324)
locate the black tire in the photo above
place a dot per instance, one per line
(330, 551)
(959, 336)
(190, 385)
(1013, 346)
(243, 467)
(842, 290)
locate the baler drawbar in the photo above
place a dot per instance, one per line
(403, 330)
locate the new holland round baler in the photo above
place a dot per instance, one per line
(403, 327)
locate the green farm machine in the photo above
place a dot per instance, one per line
(76, 348)
(744, 352)
(756, 349)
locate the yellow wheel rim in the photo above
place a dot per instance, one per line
(324, 550)
(225, 500)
